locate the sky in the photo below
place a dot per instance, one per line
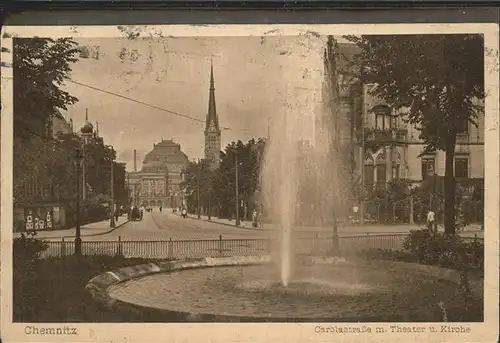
(256, 78)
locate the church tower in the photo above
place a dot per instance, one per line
(212, 130)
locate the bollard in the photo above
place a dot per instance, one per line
(63, 248)
(119, 251)
(220, 245)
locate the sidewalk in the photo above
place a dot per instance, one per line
(367, 228)
(243, 224)
(88, 230)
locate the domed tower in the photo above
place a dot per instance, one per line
(212, 130)
(87, 130)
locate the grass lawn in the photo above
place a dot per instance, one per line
(55, 291)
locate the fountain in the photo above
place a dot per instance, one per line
(280, 287)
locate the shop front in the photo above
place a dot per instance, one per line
(39, 217)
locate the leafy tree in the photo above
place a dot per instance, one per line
(198, 178)
(339, 163)
(41, 163)
(438, 79)
(41, 65)
(249, 156)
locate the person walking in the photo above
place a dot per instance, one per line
(184, 213)
(431, 216)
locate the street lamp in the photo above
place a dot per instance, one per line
(237, 192)
(198, 190)
(78, 164)
(112, 183)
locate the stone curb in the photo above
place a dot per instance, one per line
(231, 225)
(99, 285)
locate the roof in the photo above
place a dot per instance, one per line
(212, 109)
(165, 152)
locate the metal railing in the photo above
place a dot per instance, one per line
(183, 249)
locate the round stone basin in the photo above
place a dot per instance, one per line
(340, 291)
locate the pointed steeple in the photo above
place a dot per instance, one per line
(212, 120)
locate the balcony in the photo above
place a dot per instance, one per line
(375, 136)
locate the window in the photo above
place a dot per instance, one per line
(383, 117)
(463, 126)
(428, 167)
(381, 173)
(380, 121)
(461, 167)
(369, 180)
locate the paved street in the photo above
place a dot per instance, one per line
(165, 225)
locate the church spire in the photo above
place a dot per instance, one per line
(212, 120)
(212, 130)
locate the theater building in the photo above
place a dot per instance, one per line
(158, 181)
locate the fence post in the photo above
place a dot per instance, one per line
(220, 245)
(119, 251)
(63, 248)
(170, 249)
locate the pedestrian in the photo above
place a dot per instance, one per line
(431, 220)
(161, 208)
(184, 213)
(254, 218)
(141, 212)
(117, 215)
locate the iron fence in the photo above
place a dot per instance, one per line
(182, 249)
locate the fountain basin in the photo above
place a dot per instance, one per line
(247, 289)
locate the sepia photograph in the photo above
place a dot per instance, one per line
(264, 177)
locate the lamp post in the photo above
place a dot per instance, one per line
(237, 192)
(78, 240)
(112, 223)
(198, 191)
(182, 190)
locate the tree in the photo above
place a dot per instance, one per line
(41, 163)
(249, 156)
(41, 65)
(198, 182)
(339, 164)
(438, 79)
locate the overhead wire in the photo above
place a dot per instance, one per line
(185, 116)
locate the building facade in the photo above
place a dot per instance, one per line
(158, 182)
(40, 204)
(403, 147)
(387, 147)
(212, 129)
